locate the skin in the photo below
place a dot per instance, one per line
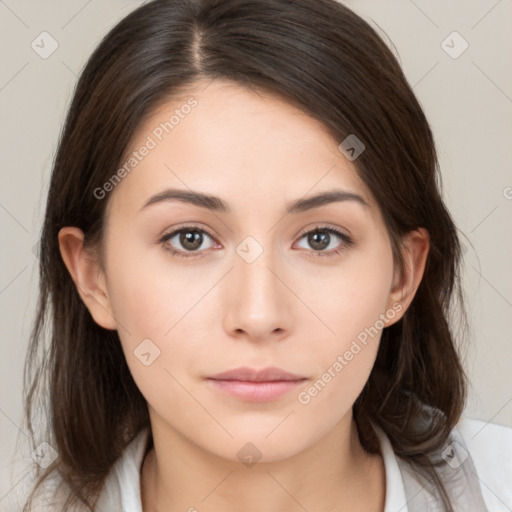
(288, 308)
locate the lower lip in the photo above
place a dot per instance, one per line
(256, 391)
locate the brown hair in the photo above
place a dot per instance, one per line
(321, 57)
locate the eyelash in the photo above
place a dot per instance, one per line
(347, 241)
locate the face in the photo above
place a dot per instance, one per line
(196, 290)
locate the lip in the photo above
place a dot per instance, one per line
(253, 385)
(268, 374)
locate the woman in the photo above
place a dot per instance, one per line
(249, 270)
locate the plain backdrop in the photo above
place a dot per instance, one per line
(463, 81)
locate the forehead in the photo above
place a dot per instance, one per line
(233, 142)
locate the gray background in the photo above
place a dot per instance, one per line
(467, 99)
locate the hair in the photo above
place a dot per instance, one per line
(324, 59)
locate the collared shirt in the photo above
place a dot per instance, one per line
(483, 449)
(489, 446)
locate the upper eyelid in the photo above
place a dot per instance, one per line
(321, 227)
(184, 228)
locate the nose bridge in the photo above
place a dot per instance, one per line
(258, 302)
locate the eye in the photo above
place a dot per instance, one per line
(190, 238)
(192, 241)
(321, 238)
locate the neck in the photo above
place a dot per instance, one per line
(334, 474)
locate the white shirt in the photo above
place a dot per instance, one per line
(489, 446)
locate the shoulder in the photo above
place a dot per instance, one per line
(490, 448)
(121, 489)
(474, 464)
(49, 496)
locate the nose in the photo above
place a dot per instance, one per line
(258, 300)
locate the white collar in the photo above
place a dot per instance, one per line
(122, 485)
(396, 500)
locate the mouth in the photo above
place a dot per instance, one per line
(252, 385)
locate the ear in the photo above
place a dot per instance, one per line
(87, 275)
(415, 249)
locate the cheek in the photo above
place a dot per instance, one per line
(342, 367)
(148, 293)
(156, 306)
(352, 309)
(154, 331)
(350, 300)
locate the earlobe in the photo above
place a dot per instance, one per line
(87, 276)
(416, 245)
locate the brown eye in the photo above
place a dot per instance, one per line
(319, 240)
(190, 240)
(322, 237)
(185, 240)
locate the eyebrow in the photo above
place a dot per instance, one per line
(217, 204)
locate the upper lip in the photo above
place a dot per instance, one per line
(264, 375)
